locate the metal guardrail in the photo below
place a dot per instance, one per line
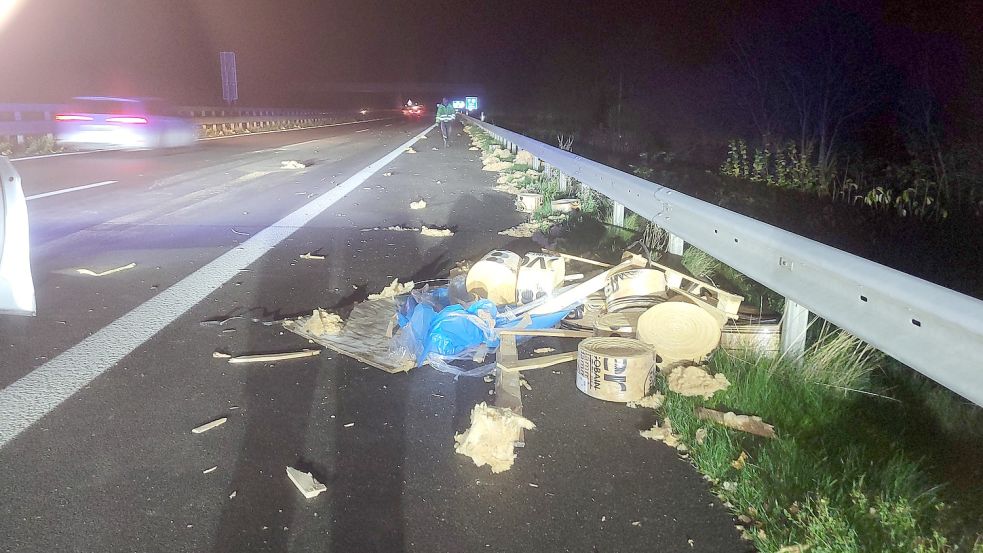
(935, 330)
(21, 120)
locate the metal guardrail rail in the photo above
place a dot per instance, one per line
(934, 330)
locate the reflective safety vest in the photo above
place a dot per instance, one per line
(445, 113)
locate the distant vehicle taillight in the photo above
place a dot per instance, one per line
(72, 117)
(127, 119)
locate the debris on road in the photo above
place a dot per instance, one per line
(220, 355)
(306, 483)
(436, 232)
(292, 164)
(234, 231)
(522, 230)
(387, 174)
(653, 401)
(744, 423)
(491, 438)
(418, 205)
(394, 289)
(543, 350)
(661, 433)
(219, 322)
(322, 323)
(410, 150)
(271, 357)
(696, 381)
(349, 425)
(209, 425)
(311, 255)
(208, 470)
(90, 272)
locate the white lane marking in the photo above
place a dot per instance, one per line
(72, 189)
(36, 394)
(62, 154)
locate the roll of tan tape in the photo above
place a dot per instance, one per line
(494, 277)
(635, 288)
(621, 324)
(584, 316)
(539, 275)
(679, 332)
(615, 369)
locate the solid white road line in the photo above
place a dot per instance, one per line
(36, 394)
(72, 189)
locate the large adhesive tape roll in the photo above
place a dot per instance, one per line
(615, 369)
(635, 288)
(539, 275)
(621, 324)
(494, 277)
(584, 316)
(679, 332)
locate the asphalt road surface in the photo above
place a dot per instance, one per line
(100, 391)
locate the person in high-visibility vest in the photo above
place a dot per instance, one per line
(445, 117)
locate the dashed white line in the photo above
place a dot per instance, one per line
(36, 394)
(72, 189)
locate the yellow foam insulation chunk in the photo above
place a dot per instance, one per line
(322, 323)
(661, 433)
(491, 438)
(695, 381)
(394, 289)
(653, 401)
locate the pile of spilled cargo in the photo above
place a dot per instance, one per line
(623, 324)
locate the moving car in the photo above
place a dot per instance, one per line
(413, 110)
(16, 283)
(97, 122)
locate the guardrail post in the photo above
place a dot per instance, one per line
(617, 214)
(795, 321)
(18, 117)
(564, 182)
(675, 245)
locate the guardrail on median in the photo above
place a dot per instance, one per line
(935, 330)
(19, 121)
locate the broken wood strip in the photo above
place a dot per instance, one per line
(537, 362)
(550, 332)
(209, 425)
(744, 423)
(580, 259)
(268, 357)
(581, 291)
(508, 394)
(718, 314)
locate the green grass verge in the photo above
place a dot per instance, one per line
(840, 476)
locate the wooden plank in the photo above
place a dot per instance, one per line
(581, 291)
(508, 393)
(273, 357)
(580, 259)
(538, 362)
(547, 332)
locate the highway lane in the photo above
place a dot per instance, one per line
(115, 467)
(233, 187)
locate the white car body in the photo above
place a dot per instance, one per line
(16, 283)
(96, 122)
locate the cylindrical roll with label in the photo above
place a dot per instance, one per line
(494, 277)
(615, 369)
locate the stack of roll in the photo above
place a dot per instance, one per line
(615, 369)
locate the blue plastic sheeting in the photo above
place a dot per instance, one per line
(429, 326)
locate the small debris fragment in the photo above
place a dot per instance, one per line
(436, 232)
(292, 164)
(206, 471)
(531, 485)
(522, 230)
(410, 150)
(233, 494)
(220, 355)
(265, 358)
(310, 255)
(349, 425)
(394, 289)
(90, 272)
(690, 542)
(387, 174)
(653, 401)
(524, 384)
(491, 438)
(661, 434)
(543, 350)
(488, 378)
(234, 231)
(701, 435)
(418, 205)
(636, 523)
(306, 483)
(209, 425)
(740, 461)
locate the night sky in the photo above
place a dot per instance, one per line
(676, 55)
